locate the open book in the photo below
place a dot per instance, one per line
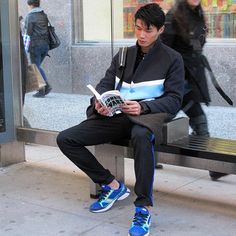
(111, 99)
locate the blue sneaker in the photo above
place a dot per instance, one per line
(141, 222)
(108, 197)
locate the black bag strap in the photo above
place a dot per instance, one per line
(187, 106)
(122, 56)
(49, 23)
(122, 62)
(214, 81)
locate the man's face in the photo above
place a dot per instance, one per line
(146, 36)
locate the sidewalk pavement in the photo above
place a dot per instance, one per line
(48, 196)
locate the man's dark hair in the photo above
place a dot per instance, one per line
(35, 3)
(151, 14)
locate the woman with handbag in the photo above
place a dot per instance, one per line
(36, 26)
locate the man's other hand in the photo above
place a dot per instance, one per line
(131, 108)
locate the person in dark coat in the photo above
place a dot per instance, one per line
(185, 31)
(36, 26)
(153, 87)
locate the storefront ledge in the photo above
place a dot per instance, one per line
(221, 42)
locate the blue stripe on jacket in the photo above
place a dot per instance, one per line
(143, 90)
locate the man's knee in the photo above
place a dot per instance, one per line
(70, 138)
(61, 139)
(141, 133)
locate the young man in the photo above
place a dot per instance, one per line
(153, 83)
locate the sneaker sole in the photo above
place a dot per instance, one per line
(48, 91)
(143, 235)
(125, 195)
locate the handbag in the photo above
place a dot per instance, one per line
(54, 41)
(34, 79)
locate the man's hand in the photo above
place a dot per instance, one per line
(131, 108)
(102, 110)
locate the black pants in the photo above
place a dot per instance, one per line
(72, 143)
(195, 110)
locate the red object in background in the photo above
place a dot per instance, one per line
(218, 29)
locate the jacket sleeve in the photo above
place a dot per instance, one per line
(28, 26)
(168, 36)
(170, 102)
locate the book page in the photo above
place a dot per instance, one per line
(94, 91)
(111, 99)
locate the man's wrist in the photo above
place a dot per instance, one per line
(144, 108)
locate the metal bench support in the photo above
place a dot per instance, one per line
(112, 158)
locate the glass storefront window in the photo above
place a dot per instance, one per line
(96, 21)
(221, 18)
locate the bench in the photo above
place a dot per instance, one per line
(179, 148)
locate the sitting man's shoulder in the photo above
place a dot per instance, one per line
(171, 53)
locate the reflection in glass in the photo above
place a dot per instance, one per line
(77, 65)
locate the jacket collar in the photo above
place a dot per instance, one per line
(152, 51)
(158, 41)
(36, 9)
(131, 60)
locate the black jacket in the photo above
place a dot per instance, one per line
(191, 51)
(36, 26)
(161, 65)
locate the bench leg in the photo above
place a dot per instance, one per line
(110, 157)
(157, 163)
